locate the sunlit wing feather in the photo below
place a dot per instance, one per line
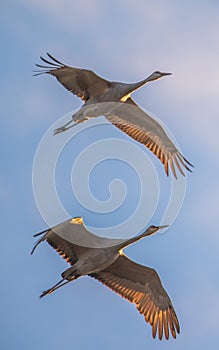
(144, 129)
(141, 285)
(82, 82)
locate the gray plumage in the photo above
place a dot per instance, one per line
(104, 260)
(126, 115)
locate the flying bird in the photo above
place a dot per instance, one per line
(104, 260)
(100, 97)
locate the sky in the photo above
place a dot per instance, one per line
(121, 41)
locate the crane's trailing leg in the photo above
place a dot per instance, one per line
(64, 128)
(70, 274)
(57, 285)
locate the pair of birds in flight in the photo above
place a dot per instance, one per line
(102, 258)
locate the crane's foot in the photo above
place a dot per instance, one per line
(59, 130)
(45, 292)
(64, 127)
(56, 286)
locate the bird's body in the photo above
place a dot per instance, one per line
(100, 94)
(104, 260)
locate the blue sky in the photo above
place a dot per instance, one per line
(122, 41)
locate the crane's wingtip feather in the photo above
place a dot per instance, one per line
(177, 164)
(40, 240)
(32, 251)
(53, 64)
(40, 73)
(173, 168)
(186, 160)
(41, 232)
(54, 59)
(41, 66)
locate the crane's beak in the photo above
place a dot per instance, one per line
(163, 74)
(162, 227)
(156, 75)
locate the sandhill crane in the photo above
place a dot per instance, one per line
(96, 91)
(104, 260)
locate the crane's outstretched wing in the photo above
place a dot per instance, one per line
(66, 249)
(141, 127)
(82, 82)
(71, 238)
(141, 285)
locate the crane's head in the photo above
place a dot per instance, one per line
(157, 75)
(152, 229)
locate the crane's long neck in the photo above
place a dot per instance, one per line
(128, 89)
(131, 241)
